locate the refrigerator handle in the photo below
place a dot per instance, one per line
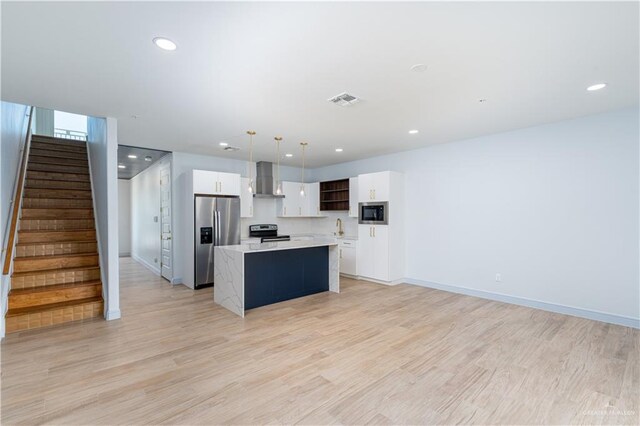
(217, 228)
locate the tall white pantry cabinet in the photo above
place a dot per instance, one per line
(381, 247)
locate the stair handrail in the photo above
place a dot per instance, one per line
(17, 198)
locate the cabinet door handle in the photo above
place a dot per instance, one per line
(374, 232)
(370, 233)
(285, 211)
(340, 253)
(251, 210)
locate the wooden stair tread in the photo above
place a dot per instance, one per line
(61, 141)
(59, 256)
(54, 146)
(45, 271)
(40, 308)
(57, 242)
(56, 172)
(53, 287)
(32, 231)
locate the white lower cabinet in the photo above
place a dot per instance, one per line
(373, 252)
(246, 199)
(348, 257)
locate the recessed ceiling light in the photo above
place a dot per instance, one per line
(338, 149)
(224, 144)
(418, 68)
(148, 158)
(164, 43)
(132, 156)
(121, 166)
(595, 87)
(288, 155)
(413, 132)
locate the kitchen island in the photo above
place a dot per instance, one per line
(247, 276)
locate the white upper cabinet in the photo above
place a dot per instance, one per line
(353, 197)
(215, 183)
(229, 183)
(290, 205)
(246, 199)
(374, 186)
(312, 202)
(295, 205)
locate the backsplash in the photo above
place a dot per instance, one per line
(264, 211)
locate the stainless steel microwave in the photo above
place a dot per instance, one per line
(373, 213)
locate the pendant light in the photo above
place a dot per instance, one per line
(251, 134)
(304, 147)
(278, 182)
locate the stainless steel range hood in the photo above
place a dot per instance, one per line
(264, 180)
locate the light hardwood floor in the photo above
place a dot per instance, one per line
(372, 354)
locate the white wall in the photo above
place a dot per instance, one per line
(552, 208)
(145, 218)
(13, 131)
(103, 162)
(124, 217)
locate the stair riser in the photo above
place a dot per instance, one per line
(41, 159)
(63, 168)
(57, 176)
(55, 224)
(56, 203)
(55, 249)
(57, 184)
(54, 296)
(57, 213)
(41, 279)
(54, 316)
(56, 237)
(50, 147)
(57, 193)
(36, 264)
(58, 141)
(38, 152)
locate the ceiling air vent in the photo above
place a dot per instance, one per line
(231, 148)
(344, 99)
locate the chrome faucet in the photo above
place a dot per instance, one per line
(339, 225)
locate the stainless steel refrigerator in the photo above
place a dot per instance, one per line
(217, 223)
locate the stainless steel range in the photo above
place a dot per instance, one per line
(267, 233)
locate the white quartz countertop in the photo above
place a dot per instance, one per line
(280, 245)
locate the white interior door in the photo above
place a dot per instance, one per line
(166, 265)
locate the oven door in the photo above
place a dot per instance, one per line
(373, 213)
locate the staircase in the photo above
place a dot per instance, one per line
(56, 270)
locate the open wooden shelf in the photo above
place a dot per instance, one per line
(334, 195)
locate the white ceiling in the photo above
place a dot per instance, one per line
(271, 67)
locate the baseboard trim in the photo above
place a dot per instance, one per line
(112, 315)
(127, 254)
(175, 281)
(371, 280)
(146, 264)
(530, 303)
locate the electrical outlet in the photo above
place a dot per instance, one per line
(498, 277)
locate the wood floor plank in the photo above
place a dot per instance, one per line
(369, 355)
